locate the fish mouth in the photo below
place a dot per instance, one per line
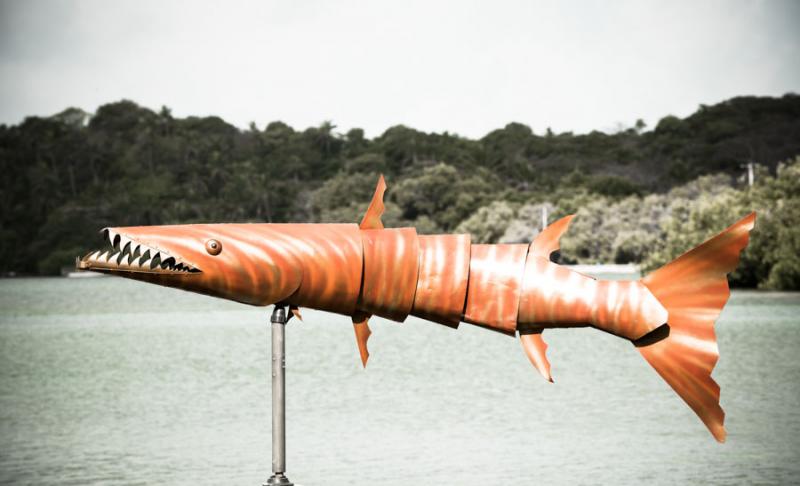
(126, 254)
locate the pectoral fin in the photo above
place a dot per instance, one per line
(361, 327)
(536, 350)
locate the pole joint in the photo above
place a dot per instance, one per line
(278, 315)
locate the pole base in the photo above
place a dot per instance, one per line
(278, 479)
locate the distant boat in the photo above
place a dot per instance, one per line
(83, 275)
(70, 272)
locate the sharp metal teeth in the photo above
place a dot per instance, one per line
(133, 255)
(126, 242)
(128, 254)
(111, 236)
(168, 263)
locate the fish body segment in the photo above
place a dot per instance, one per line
(495, 283)
(442, 278)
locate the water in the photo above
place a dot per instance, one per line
(112, 382)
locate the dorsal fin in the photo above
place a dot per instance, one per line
(361, 327)
(372, 218)
(548, 240)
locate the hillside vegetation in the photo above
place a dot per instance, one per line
(642, 195)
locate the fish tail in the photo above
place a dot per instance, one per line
(694, 288)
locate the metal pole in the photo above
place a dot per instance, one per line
(544, 217)
(278, 477)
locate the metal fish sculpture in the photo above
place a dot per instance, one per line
(365, 270)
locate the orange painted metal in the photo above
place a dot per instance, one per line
(442, 280)
(331, 256)
(536, 350)
(362, 330)
(391, 262)
(495, 280)
(257, 265)
(549, 240)
(359, 271)
(555, 296)
(372, 218)
(694, 288)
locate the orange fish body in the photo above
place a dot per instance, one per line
(364, 270)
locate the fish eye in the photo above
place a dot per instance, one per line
(213, 247)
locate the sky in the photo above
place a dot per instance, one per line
(463, 67)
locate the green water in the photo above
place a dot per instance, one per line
(112, 382)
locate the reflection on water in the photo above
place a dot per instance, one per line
(106, 381)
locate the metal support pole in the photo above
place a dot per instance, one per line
(278, 477)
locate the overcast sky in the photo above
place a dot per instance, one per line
(463, 67)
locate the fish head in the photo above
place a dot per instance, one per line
(250, 263)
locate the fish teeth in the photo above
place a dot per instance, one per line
(169, 263)
(128, 254)
(113, 239)
(155, 261)
(144, 258)
(134, 254)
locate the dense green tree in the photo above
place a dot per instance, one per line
(488, 223)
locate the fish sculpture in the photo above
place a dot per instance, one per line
(514, 289)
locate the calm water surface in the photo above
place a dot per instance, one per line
(112, 382)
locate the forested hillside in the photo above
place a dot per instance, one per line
(66, 176)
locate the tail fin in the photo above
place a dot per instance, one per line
(694, 288)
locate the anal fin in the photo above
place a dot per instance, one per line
(296, 312)
(361, 328)
(536, 350)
